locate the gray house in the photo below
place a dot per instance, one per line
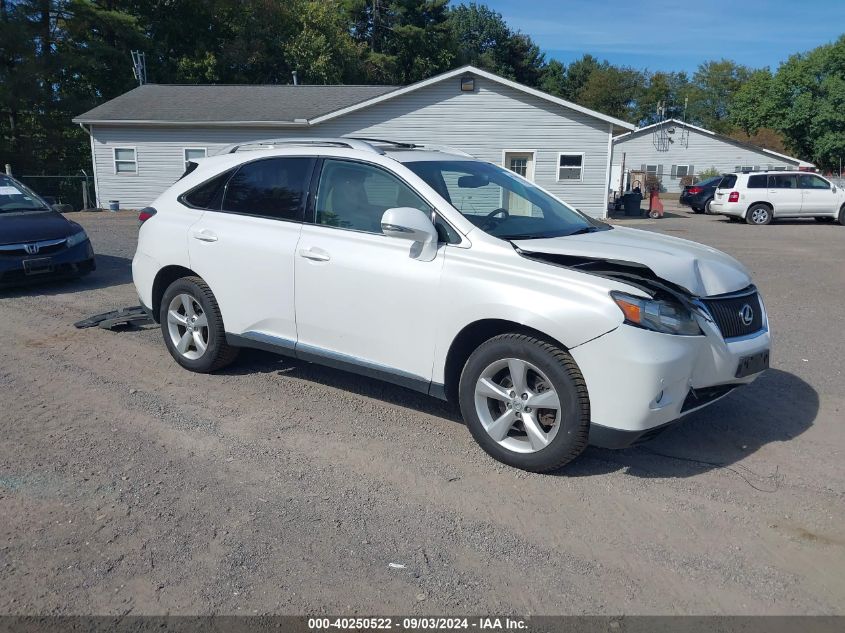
(141, 140)
(673, 149)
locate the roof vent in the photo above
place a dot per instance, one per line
(467, 84)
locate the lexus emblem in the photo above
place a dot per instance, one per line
(31, 249)
(746, 313)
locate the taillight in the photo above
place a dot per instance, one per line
(734, 196)
(145, 214)
(695, 190)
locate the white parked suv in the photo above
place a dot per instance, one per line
(452, 276)
(760, 197)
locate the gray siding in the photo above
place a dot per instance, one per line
(703, 152)
(483, 123)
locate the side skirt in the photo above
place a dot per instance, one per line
(311, 354)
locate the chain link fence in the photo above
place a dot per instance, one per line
(76, 191)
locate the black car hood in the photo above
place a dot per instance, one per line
(34, 226)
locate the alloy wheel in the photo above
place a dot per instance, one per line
(187, 325)
(517, 405)
(760, 215)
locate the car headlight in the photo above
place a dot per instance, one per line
(76, 238)
(657, 315)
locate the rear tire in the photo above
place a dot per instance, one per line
(516, 428)
(192, 326)
(759, 215)
(707, 207)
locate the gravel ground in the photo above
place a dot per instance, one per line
(128, 485)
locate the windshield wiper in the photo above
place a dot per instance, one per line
(586, 229)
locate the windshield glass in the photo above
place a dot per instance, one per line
(15, 197)
(500, 203)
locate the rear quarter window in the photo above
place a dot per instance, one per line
(728, 182)
(757, 182)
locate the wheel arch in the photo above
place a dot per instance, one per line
(473, 335)
(765, 203)
(163, 279)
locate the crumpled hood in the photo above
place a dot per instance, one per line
(16, 228)
(701, 270)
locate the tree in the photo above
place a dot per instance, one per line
(749, 108)
(806, 103)
(483, 38)
(714, 85)
(672, 89)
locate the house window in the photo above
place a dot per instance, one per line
(570, 166)
(193, 153)
(125, 161)
(681, 171)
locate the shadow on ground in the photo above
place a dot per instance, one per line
(775, 408)
(111, 271)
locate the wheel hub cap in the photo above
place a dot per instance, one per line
(517, 405)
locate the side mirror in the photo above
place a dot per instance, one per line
(407, 223)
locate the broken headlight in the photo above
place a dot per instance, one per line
(668, 317)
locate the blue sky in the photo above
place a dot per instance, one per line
(666, 35)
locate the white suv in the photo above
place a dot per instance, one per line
(760, 197)
(448, 275)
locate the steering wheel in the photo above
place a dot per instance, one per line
(489, 219)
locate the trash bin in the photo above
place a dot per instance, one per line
(114, 205)
(631, 202)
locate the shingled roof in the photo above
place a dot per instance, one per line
(167, 103)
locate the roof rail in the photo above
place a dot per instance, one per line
(401, 145)
(350, 143)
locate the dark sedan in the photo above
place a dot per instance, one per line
(36, 242)
(699, 195)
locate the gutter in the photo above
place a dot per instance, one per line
(294, 123)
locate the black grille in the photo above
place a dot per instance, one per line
(699, 397)
(727, 313)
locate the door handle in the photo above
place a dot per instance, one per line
(205, 235)
(315, 254)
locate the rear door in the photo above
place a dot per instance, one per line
(245, 249)
(817, 197)
(784, 194)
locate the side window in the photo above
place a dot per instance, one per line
(757, 182)
(271, 188)
(809, 181)
(355, 196)
(209, 194)
(782, 181)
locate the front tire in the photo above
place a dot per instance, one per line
(842, 215)
(525, 402)
(192, 326)
(759, 215)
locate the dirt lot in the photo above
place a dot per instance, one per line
(128, 485)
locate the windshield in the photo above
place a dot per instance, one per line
(15, 197)
(500, 203)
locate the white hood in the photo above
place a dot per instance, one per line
(702, 270)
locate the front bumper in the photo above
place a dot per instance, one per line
(69, 262)
(640, 381)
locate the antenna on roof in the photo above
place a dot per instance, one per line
(659, 137)
(684, 128)
(139, 66)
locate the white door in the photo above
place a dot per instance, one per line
(245, 252)
(784, 194)
(817, 197)
(521, 163)
(360, 298)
